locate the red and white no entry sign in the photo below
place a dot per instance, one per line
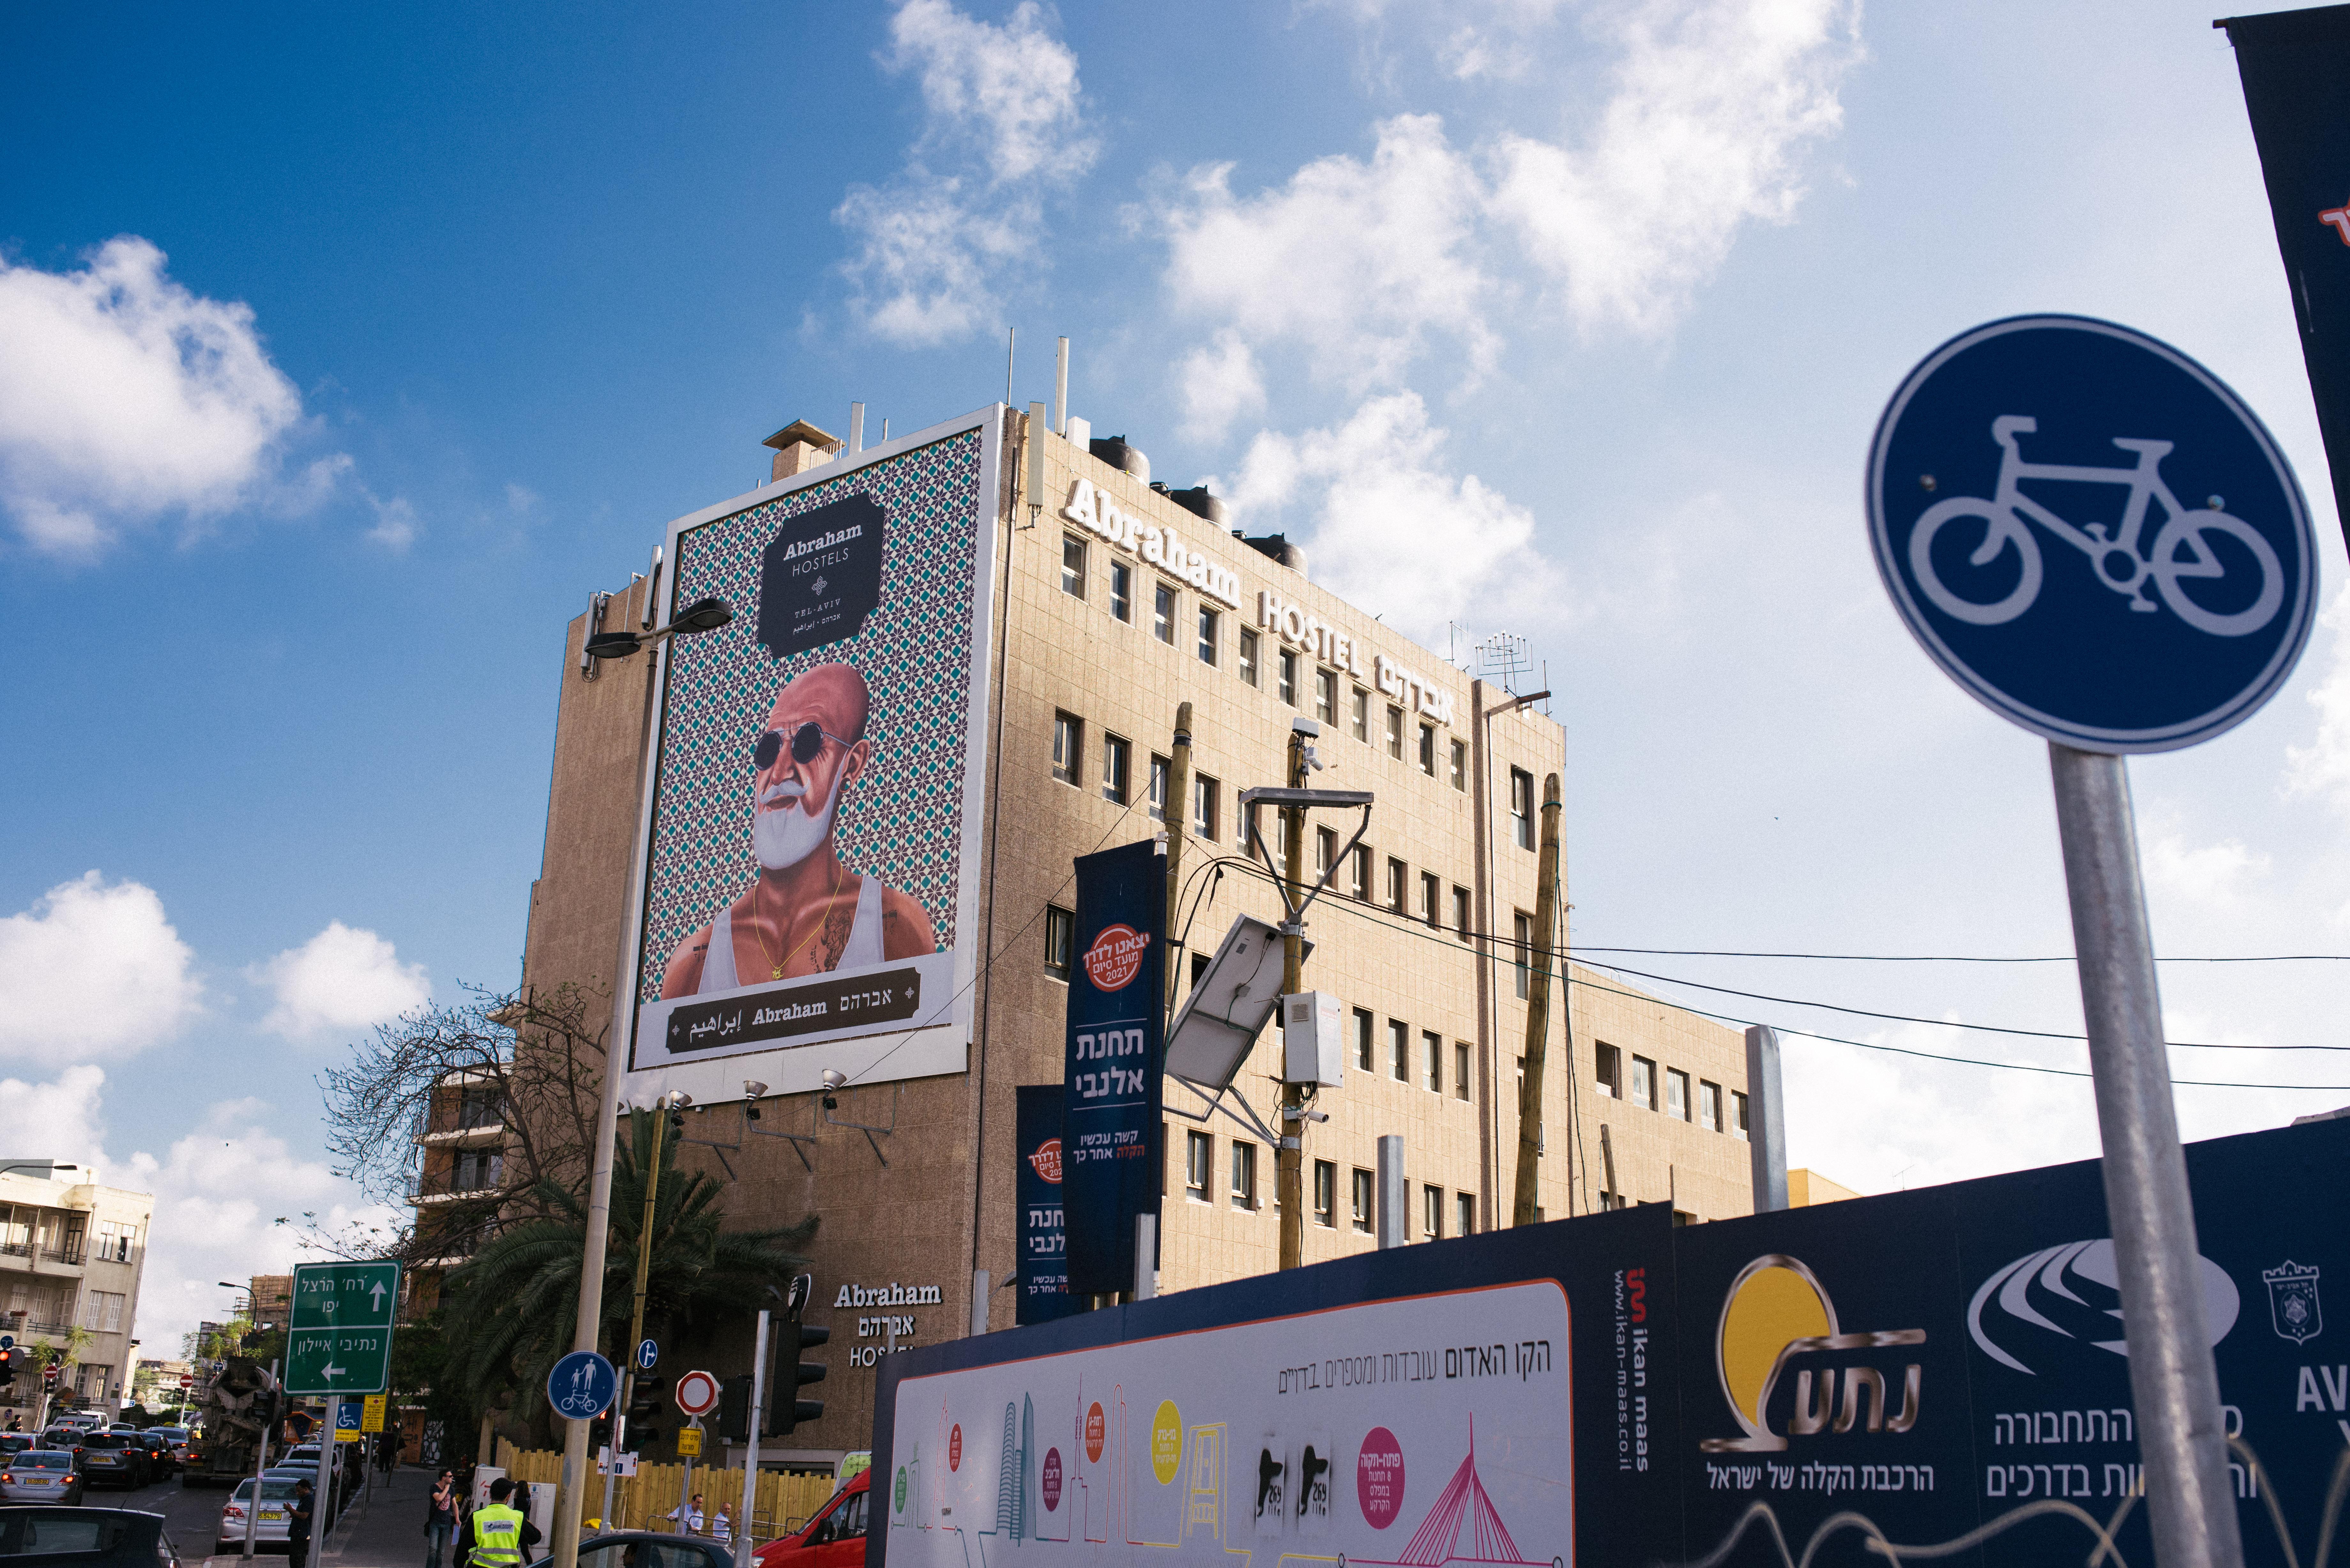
(696, 1393)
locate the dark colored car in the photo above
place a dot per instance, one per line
(84, 1537)
(114, 1458)
(643, 1549)
(834, 1538)
(17, 1443)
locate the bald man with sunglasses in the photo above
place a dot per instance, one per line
(806, 913)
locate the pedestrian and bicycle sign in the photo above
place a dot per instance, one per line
(2091, 534)
(581, 1385)
(338, 1338)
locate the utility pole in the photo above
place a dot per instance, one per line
(1290, 1159)
(1179, 798)
(1523, 1210)
(663, 1108)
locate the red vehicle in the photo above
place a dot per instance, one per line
(834, 1538)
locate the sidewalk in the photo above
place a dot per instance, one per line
(388, 1530)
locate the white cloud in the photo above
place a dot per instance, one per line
(65, 1113)
(1219, 383)
(2202, 873)
(1004, 121)
(1715, 102)
(2322, 768)
(123, 397)
(395, 524)
(340, 980)
(1393, 531)
(92, 970)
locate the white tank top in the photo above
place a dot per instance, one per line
(863, 946)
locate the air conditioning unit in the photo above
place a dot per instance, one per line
(1313, 1050)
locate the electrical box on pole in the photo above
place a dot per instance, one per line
(1313, 1048)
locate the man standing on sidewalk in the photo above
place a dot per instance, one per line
(297, 1536)
(500, 1530)
(439, 1519)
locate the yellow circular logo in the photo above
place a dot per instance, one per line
(1166, 1441)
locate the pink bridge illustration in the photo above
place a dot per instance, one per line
(1461, 1503)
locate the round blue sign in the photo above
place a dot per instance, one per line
(647, 1353)
(2091, 534)
(581, 1385)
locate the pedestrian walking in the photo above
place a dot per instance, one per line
(722, 1526)
(440, 1518)
(298, 1527)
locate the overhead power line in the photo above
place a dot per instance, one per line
(1952, 958)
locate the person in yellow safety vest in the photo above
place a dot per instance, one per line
(500, 1531)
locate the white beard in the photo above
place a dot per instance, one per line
(782, 839)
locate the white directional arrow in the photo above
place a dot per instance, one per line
(378, 1293)
(331, 1371)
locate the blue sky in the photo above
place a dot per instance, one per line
(343, 353)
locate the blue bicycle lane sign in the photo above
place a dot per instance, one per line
(581, 1385)
(2091, 534)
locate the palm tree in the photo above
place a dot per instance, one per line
(513, 1307)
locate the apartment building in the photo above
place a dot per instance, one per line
(71, 1258)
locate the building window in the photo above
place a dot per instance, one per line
(1121, 591)
(1399, 878)
(1461, 1069)
(1060, 936)
(1709, 1105)
(1460, 764)
(1363, 1200)
(1362, 873)
(1432, 1213)
(1610, 1070)
(1159, 768)
(114, 1239)
(1072, 566)
(1117, 769)
(1677, 1095)
(1361, 716)
(1325, 696)
(1399, 1050)
(1460, 913)
(1738, 1116)
(1428, 750)
(1203, 807)
(1199, 1160)
(1464, 1213)
(1326, 1194)
(1209, 624)
(1395, 732)
(1162, 613)
(1288, 688)
(101, 1311)
(1249, 656)
(1363, 1040)
(1432, 1045)
(1522, 809)
(1243, 1174)
(1326, 848)
(1643, 1084)
(1522, 928)
(1432, 900)
(1068, 746)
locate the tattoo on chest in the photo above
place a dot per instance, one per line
(834, 940)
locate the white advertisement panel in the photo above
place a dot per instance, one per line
(1415, 1431)
(809, 894)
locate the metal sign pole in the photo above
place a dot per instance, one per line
(321, 1501)
(2173, 1380)
(744, 1544)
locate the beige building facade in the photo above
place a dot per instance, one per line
(72, 1254)
(1420, 934)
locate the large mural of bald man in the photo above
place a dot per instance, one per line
(805, 912)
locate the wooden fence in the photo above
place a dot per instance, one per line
(786, 1502)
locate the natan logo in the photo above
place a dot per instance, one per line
(1116, 957)
(1775, 1311)
(1048, 1160)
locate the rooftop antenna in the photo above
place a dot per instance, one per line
(1011, 346)
(1502, 658)
(1061, 391)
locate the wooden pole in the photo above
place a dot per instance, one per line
(1522, 1211)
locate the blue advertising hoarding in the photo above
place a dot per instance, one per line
(1110, 1072)
(2295, 65)
(1941, 1370)
(1044, 1276)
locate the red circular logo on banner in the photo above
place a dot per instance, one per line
(1116, 957)
(1051, 1480)
(1048, 1160)
(1094, 1429)
(954, 1447)
(1378, 1478)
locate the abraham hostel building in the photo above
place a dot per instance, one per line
(969, 644)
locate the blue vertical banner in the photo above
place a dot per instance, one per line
(1044, 1284)
(2295, 67)
(1110, 1074)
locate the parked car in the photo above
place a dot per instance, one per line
(834, 1538)
(17, 1442)
(273, 1523)
(85, 1538)
(42, 1474)
(114, 1458)
(643, 1549)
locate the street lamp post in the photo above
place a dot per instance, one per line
(663, 1108)
(703, 614)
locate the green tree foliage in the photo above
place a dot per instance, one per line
(511, 1309)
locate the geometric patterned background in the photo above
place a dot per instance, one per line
(902, 820)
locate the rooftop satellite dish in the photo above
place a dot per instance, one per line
(1228, 1008)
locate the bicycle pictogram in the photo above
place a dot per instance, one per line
(2181, 552)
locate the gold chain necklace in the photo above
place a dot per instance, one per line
(775, 968)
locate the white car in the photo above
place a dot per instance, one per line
(273, 1524)
(41, 1475)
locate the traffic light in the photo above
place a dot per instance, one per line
(792, 1373)
(7, 1366)
(644, 1410)
(734, 1410)
(599, 1434)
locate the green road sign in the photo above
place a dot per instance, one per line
(339, 1338)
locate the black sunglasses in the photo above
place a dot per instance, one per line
(806, 741)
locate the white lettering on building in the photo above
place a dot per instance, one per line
(886, 1295)
(1332, 647)
(1093, 511)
